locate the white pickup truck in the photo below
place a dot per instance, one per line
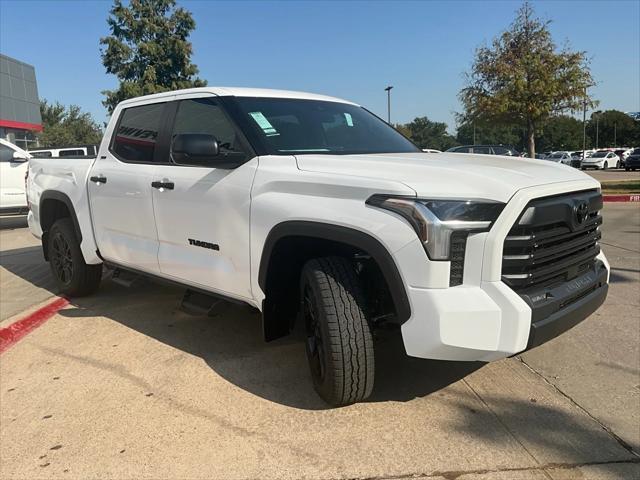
(310, 208)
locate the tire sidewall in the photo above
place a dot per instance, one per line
(64, 228)
(325, 386)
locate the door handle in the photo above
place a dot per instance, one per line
(165, 185)
(99, 179)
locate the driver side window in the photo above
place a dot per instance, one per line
(205, 116)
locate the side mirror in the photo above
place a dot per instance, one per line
(19, 157)
(195, 149)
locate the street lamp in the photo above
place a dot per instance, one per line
(584, 125)
(388, 90)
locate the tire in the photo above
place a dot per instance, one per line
(627, 169)
(74, 277)
(605, 166)
(339, 344)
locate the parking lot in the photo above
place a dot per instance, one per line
(125, 385)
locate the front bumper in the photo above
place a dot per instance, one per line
(484, 319)
(493, 322)
(588, 164)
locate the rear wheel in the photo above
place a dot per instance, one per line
(339, 344)
(73, 276)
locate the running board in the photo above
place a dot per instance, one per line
(124, 278)
(197, 303)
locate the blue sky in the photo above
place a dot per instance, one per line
(346, 49)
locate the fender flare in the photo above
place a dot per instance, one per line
(61, 197)
(346, 235)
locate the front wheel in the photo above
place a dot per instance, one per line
(605, 166)
(74, 277)
(339, 344)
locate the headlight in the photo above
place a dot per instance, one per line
(435, 220)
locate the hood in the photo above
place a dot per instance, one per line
(453, 175)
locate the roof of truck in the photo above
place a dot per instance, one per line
(238, 92)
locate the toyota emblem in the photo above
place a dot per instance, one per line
(582, 212)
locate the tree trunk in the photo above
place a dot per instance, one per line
(531, 138)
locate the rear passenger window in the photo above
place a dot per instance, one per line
(137, 133)
(70, 153)
(482, 150)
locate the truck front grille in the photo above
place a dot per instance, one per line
(554, 240)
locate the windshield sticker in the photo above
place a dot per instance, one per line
(349, 120)
(263, 123)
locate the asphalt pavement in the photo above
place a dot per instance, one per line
(124, 385)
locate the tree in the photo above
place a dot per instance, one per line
(561, 132)
(427, 134)
(148, 49)
(522, 78)
(65, 126)
(614, 128)
(490, 133)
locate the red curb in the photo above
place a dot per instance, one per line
(18, 330)
(630, 197)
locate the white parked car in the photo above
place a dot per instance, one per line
(601, 161)
(13, 168)
(309, 208)
(561, 157)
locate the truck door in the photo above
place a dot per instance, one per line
(202, 212)
(120, 189)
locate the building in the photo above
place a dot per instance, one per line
(19, 104)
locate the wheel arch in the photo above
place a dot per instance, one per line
(324, 236)
(53, 206)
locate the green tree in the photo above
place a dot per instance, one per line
(613, 128)
(523, 79)
(148, 49)
(428, 134)
(561, 132)
(490, 133)
(65, 126)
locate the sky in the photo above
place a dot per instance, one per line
(351, 50)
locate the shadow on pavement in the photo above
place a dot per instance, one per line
(28, 263)
(549, 433)
(232, 345)
(625, 277)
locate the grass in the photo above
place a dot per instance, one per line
(630, 186)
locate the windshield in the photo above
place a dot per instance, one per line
(599, 154)
(556, 155)
(294, 126)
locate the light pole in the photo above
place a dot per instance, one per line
(388, 90)
(584, 125)
(597, 129)
(615, 134)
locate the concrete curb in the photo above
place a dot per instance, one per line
(629, 197)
